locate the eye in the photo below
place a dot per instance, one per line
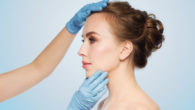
(92, 40)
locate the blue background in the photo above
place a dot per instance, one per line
(28, 26)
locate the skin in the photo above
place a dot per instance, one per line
(97, 49)
(106, 53)
(19, 80)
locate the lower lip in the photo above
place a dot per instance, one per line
(85, 65)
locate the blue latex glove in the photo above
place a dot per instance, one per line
(77, 21)
(91, 90)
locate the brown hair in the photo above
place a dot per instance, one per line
(139, 27)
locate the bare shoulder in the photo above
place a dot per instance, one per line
(138, 105)
(143, 106)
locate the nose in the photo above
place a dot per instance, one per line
(82, 50)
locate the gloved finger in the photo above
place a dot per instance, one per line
(105, 0)
(100, 86)
(96, 6)
(100, 94)
(93, 77)
(87, 9)
(102, 3)
(85, 82)
(98, 81)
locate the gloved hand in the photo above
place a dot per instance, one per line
(91, 90)
(77, 21)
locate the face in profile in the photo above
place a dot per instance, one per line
(100, 48)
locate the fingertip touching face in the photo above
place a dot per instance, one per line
(100, 47)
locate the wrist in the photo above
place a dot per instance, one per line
(68, 32)
(76, 103)
(72, 29)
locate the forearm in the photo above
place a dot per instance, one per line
(23, 78)
(46, 62)
(17, 81)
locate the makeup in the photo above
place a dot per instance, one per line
(85, 64)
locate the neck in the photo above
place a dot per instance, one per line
(122, 82)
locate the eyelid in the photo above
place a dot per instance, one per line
(91, 38)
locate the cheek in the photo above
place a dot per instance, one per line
(104, 57)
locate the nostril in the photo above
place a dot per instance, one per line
(82, 51)
(79, 53)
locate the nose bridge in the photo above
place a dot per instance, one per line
(83, 50)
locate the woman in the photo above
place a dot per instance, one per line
(21, 79)
(119, 39)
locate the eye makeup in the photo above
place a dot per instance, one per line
(91, 39)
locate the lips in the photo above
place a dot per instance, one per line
(85, 64)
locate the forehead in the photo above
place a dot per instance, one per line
(97, 23)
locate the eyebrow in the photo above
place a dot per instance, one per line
(89, 33)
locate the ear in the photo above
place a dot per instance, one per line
(126, 50)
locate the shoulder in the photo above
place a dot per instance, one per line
(137, 105)
(143, 107)
(140, 107)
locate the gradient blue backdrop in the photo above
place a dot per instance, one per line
(28, 26)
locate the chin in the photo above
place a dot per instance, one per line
(89, 73)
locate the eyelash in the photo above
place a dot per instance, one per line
(92, 40)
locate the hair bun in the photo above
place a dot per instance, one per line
(153, 33)
(153, 23)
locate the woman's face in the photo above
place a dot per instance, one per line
(100, 48)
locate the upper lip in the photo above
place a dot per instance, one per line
(84, 63)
